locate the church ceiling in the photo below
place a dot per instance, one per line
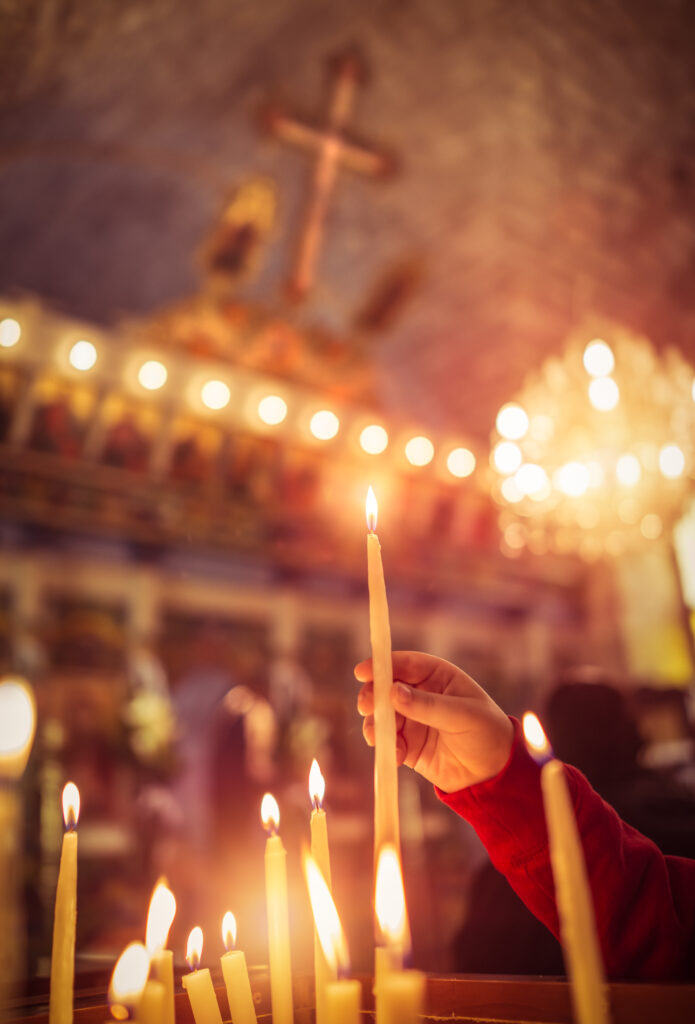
(541, 161)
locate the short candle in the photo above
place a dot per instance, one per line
(236, 975)
(198, 983)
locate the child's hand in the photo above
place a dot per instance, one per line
(448, 729)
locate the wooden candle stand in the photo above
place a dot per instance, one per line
(472, 999)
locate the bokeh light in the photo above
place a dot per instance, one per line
(272, 410)
(572, 479)
(512, 421)
(598, 358)
(152, 375)
(460, 462)
(628, 470)
(324, 425)
(10, 332)
(510, 491)
(83, 355)
(604, 394)
(215, 394)
(671, 461)
(651, 526)
(419, 451)
(374, 439)
(531, 479)
(507, 457)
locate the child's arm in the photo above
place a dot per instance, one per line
(452, 732)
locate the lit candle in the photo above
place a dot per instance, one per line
(399, 994)
(319, 851)
(278, 915)
(236, 975)
(342, 994)
(159, 920)
(17, 725)
(386, 828)
(128, 981)
(198, 983)
(65, 917)
(575, 910)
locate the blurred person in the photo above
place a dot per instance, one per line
(452, 733)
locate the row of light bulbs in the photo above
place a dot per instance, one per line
(272, 409)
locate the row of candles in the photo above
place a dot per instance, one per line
(143, 978)
(142, 985)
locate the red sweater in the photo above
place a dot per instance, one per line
(644, 901)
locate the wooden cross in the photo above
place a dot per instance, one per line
(333, 151)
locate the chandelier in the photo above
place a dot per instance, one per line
(596, 454)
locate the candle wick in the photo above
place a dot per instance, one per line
(316, 802)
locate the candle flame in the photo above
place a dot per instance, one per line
(194, 948)
(326, 919)
(390, 897)
(317, 785)
(535, 737)
(229, 930)
(372, 510)
(159, 917)
(17, 725)
(71, 805)
(270, 813)
(128, 979)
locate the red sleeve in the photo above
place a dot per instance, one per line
(644, 901)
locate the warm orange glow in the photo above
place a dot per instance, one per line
(317, 784)
(326, 919)
(71, 805)
(512, 421)
(460, 462)
(535, 736)
(372, 510)
(419, 451)
(17, 725)
(510, 491)
(229, 930)
(390, 896)
(159, 917)
(129, 977)
(270, 813)
(194, 947)
(374, 439)
(651, 526)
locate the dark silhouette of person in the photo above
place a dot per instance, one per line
(590, 724)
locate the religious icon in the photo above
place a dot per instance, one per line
(233, 250)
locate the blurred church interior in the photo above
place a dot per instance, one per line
(255, 258)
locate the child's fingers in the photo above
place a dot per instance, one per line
(364, 671)
(365, 699)
(368, 730)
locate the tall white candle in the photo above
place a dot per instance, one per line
(60, 1007)
(198, 984)
(342, 995)
(575, 908)
(17, 725)
(320, 853)
(160, 916)
(386, 824)
(236, 976)
(278, 915)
